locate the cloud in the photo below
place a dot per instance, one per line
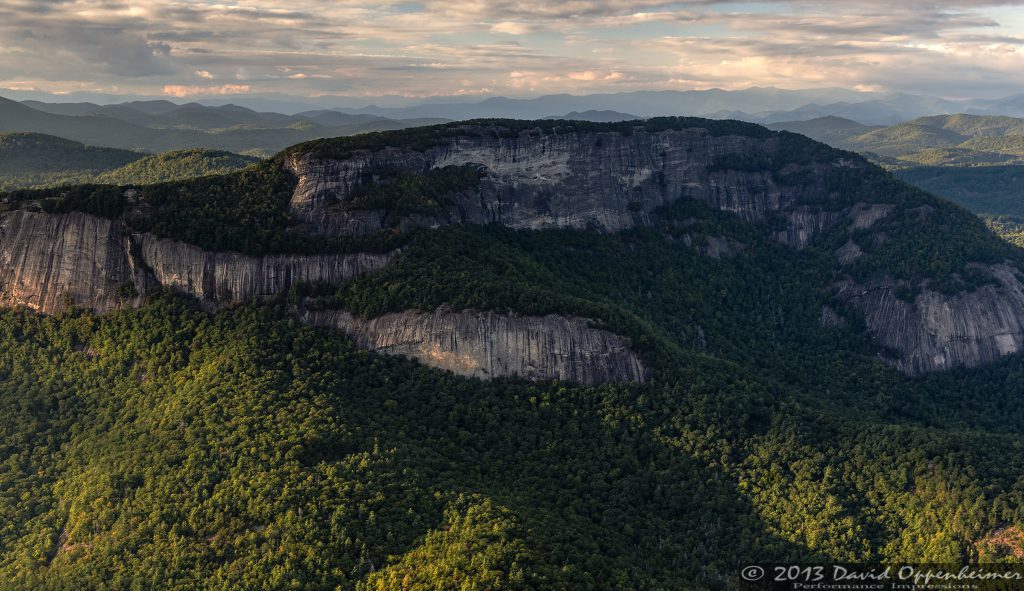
(510, 28)
(508, 46)
(180, 91)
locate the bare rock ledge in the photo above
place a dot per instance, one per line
(491, 345)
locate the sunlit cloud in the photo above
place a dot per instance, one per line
(510, 28)
(513, 47)
(179, 91)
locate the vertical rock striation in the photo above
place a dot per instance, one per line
(539, 180)
(491, 345)
(937, 331)
(223, 278)
(50, 260)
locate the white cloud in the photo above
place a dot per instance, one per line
(180, 91)
(510, 28)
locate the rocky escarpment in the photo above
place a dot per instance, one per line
(536, 180)
(49, 261)
(533, 177)
(937, 331)
(491, 345)
(228, 278)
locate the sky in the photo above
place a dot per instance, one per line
(419, 49)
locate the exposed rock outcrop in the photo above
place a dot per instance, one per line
(532, 180)
(228, 278)
(848, 253)
(48, 261)
(490, 345)
(937, 331)
(537, 180)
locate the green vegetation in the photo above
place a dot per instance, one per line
(403, 193)
(975, 161)
(1009, 228)
(171, 448)
(31, 159)
(35, 161)
(942, 140)
(982, 189)
(178, 165)
(168, 448)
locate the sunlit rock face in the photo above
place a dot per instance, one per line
(50, 261)
(604, 180)
(491, 345)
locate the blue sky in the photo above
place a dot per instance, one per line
(204, 48)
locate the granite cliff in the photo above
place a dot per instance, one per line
(587, 179)
(491, 345)
(938, 331)
(531, 176)
(50, 261)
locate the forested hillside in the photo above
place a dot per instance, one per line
(974, 160)
(174, 447)
(32, 160)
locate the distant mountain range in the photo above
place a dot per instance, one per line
(758, 105)
(939, 140)
(241, 125)
(974, 160)
(156, 126)
(596, 116)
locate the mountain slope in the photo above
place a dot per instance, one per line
(37, 160)
(177, 165)
(25, 153)
(831, 130)
(167, 443)
(33, 159)
(973, 160)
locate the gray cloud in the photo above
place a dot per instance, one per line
(505, 46)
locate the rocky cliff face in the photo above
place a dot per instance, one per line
(937, 331)
(584, 179)
(491, 345)
(50, 261)
(228, 278)
(531, 180)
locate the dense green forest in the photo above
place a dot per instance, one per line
(994, 190)
(176, 165)
(973, 160)
(35, 161)
(166, 447)
(173, 448)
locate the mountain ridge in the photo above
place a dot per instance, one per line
(811, 196)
